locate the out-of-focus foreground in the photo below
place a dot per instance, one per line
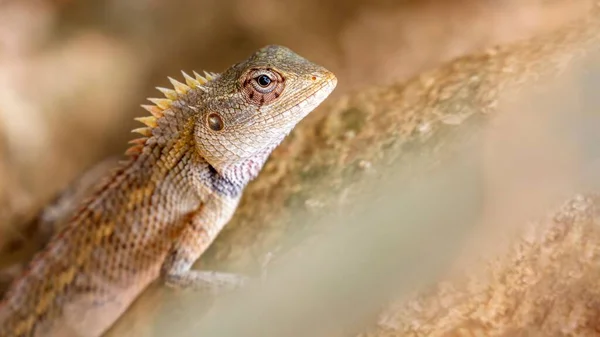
(73, 74)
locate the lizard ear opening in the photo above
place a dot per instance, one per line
(215, 122)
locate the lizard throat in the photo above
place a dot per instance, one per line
(242, 173)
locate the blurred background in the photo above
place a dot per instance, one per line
(73, 73)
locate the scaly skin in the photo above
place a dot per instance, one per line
(161, 209)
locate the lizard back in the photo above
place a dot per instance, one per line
(201, 145)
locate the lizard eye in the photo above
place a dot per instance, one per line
(263, 81)
(215, 122)
(263, 86)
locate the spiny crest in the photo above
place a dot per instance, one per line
(161, 104)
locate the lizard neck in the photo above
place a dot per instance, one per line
(171, 161)
(244, 171)
(172, 155)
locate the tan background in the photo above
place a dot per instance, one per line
(74, 73)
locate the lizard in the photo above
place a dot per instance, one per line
(390, 127)
(155, 214)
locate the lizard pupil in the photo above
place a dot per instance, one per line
(215, 122)
(263, 80)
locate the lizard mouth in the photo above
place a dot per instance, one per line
(311, 97)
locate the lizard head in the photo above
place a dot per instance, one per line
(247, 110)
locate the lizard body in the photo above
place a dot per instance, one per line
(158, 211)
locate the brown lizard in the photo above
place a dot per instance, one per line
(158, 211)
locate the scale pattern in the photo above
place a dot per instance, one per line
(159, 210)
